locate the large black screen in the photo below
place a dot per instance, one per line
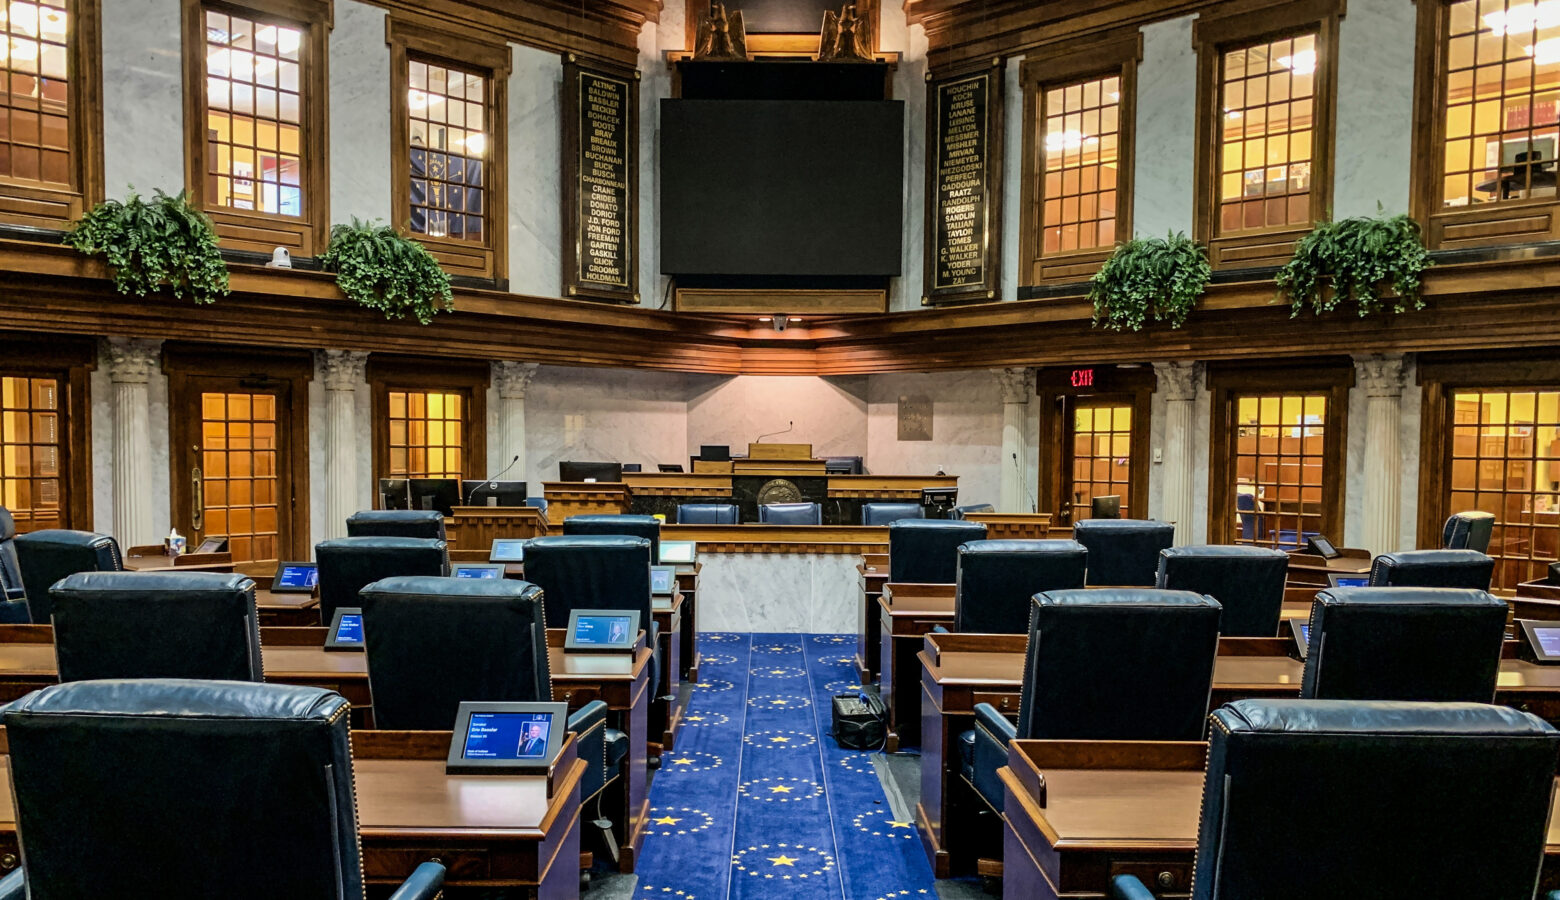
(781, 187)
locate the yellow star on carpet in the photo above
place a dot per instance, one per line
(779, 702)
(683, 762)
(899, 824)
(693, 719)
(782, 860)
(780, 789)
(667, 820)
(779, 740)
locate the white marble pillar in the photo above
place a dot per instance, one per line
(512, 379)
(1380, 376)
(130, 364)
(1017, 386)
(342, 371)
(1178, 385)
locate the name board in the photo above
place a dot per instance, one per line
(964, 148)
(601, 184)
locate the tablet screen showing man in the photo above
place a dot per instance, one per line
(508, 735)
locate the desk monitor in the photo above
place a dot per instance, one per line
(589, 471)
(942, 500)
(442, 494)
(1554, 567)
(1336, 580)
(392, 494)
(1322, 547)
(295, 578)
(507, 550)
(476, 570)
(677, 552)
(1539, 641)
(715, 452)
(668, 467)
(213, 545)
(503, 738)
(1301, 630)
(1106, 507)
(663, 581)
(602, 630)
(494, 493)
(346, 629)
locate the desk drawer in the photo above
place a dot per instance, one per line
(1006, 703)
(469, 864)
(1165, 879)
(576, 697)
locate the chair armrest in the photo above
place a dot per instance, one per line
(987, 717)
(940, 629)
(424, 884)
(582, 719)
(1127, 887)
(14, 886)
(589, 724)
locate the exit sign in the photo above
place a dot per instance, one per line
(1082, 378)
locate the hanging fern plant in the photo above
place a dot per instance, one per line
(385, 271)
(1376, 263)
(152, 244)
(1149, 277)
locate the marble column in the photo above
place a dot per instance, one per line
(1380, 376)
(1017, 386)
(512, 379)
(342, 371)
(130, 364)
(1178, 385)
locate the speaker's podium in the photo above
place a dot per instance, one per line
(778, 473)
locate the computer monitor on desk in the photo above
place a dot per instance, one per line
(589, 471)
(442, 494)
(494, 493)
(1107, 507)
(715, 452)
(392, 494)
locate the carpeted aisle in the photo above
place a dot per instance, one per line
(757, 801)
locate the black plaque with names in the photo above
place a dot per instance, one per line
(601, 183)
(964, 173)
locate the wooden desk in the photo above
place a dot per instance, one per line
(1118, 808)
(688, 586)
(1308, 568)
(871, 575)
(488, 831)
(476, 527)
(287, 608)
(1014, 526)
(666, 716)
(906, 612)
(152, 559)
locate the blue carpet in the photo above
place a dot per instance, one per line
(757, 800)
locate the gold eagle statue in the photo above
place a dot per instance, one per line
(844, 37)
(721, 35)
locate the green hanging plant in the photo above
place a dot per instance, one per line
(1377, 263)
(383, 270)
(1158, 277)
(149, 244)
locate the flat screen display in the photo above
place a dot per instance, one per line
(1548, 640)
(674, 552)
(478, 572)
(346, 630)
(295, 578)
(1539, 640)
(505, 738)
(507, 735)
(1349, 581)
(601, 631)
(663, 579)
(507, 550)
(782, 187)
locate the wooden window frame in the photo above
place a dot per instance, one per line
(411, 35)
(387, 373)
(253, 230)
(1226, 383)
(1134, 387)
(772, 43)
(55, 208)
(1214, 33)
(1115, 54)
(72, 361)
(1494, 224)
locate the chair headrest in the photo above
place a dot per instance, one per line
(1406, 596)
(7, 524)
(1406, 558)
(64, 537)
(1371, 717)
(976, 530)
(1223, 551)
(335, 545)
(1120, 597)
(431, 586)
(395, 515)
(189, 583)
(587, 542)
(1146, 526)
(610, 520)
(1043, 547)
(177, 698)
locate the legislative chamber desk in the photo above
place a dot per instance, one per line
(906, 613)
(489, 831)
(660, 493)
(871, 575)
(962, 670)
(297, 656)
(1079, 813)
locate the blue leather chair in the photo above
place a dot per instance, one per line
(888, 513)
(1125, 664)
(171, 788)
(790, 514)
(997, 581)
(49, 555)
(1468, 531)
(1384, 787)
(347, 564)
(156, 625)
(1247, 581)
(1404, 644)
(926, 551)
(707, 514)
(434, 642)
(1123, 552)
(1250, 523)
(412, 523)
(13, 606)
(647, 527)
(960, 512)
(538, 503)
(1433, 568)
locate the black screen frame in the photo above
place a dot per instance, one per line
(282, 566)
(335, 625)
(455, 762)
(569, 644)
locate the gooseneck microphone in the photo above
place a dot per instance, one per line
(786, 430)
(1034, 505)
(493, 482)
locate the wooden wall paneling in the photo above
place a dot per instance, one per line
(583, 275)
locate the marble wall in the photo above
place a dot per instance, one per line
(536, 175)
(904, 292)
(779, 592)
(1375, 108)
(359, 114)
(1166, 130)
(966, 431)
(601, 414)
(829, 413)
(101, 392)
(1408, 449)
(143, 97)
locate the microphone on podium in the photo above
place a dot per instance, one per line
(1034, 505)
(494, 480)
(786, 430)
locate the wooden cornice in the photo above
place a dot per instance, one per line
(600, 29)
(1508, 303)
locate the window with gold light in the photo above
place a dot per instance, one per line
(31, 476)
(1101, 455)
(1278, 461)
(1267, 134)
(448, 129)
(428, 434)
(241, 478)
(1081, 136)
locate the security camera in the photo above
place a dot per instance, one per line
(779, 321)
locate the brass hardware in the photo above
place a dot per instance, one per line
(197, 495)
(1165, 881)
(8, 861)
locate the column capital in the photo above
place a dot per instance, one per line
(1017, 384)
(513, 378)
(1178, 380)
(343, 370)
(1380, 374)
(131, 360)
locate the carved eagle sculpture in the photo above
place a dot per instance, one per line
(844, 37)
(721, 35)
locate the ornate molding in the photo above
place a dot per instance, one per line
(131, 360)
(343, 370)
(1380, 374)
(513, 378)
(1178, 380)
(1017, 385)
